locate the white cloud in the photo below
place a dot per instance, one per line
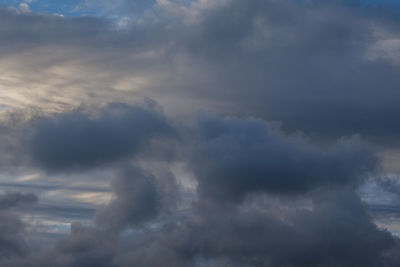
(24, 7)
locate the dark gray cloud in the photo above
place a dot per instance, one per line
(335, 230)
(45, 29)
(85, 246)
(308, 65)
(12, 228)
(140, 197)
(15, 199)
(137, 199)
(326, 69)
(78, 141)
(12, 241)
(236, 157)
(393, 257)
(334, 233)
(231, 158)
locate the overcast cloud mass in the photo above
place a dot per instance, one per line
(200, 133)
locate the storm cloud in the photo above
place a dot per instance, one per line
(137, 199)
(236, 157)
(12, 227)
(200, 133)
(328, 69)
(75, 140)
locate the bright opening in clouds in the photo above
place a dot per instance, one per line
(202, 133)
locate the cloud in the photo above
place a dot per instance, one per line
(334, 233)
(227, 224)
(12, 228)
(137, 199)
(85, 246)
(301, 93)
(16, 199)
(122, 6)
(310, 71)
(236, 157)
(238, 163)
(24, 7)
(77, 141)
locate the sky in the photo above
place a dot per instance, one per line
(199, 133)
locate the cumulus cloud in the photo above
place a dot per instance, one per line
(236, 157)
(334, 233)
(227, 224)
(75, 140)
(238, 163)
(137, 199)
(24, 7)
(12, 228)
(304, 238)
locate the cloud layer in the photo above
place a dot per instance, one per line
(261, 124)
